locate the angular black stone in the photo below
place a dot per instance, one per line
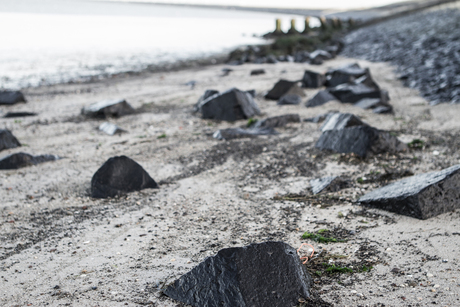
(320, 98)
(278, 121)
(337, 121)
(360, 140)
(118, 176)
(11, 97)
(351, 93)
(289, 99)
(256, 72)
(21, 159)
(344, 74)
(330, 184)
(383, 110)
(231, 105)
(282, 88)
(421, 196)
(237, 133)
(258, 275)
(319, 118)
(7, 140)
(206, 95)
(108, 108)
(312, 79)
(368, 103)
(19, 114)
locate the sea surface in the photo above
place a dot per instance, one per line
(56, 41)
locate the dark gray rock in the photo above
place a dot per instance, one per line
(352, 93)
(7, 140)
(11, 97)
(302, 56)
(19, 114)
(368, 103)
(238, 133)
(110, 128)
(312, 79)
(319, 118)
(320, 98)
(258, 275)
(337, 121)
(271, 59)
(231, 105)
(278, 121)
(344, 74)
(289, 99)
(256, 72)
(118, 176)
(360, 140)
(108, 108)
(282, 88)
(329, 184)
(421, 196)
(206, 95)
(320, 54)
(19, 160)
(383, 110)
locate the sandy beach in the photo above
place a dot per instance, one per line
(60, 247)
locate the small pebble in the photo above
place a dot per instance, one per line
(445, 260)
(433, 290)
(353, 291)
(429, 275)
(436, 286)
(436, 153)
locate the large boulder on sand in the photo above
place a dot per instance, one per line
(278, 121)
(337, 121)
(7, 140)
(265, 274)
(421, 196)
(11, 97)
(230, 105)
(312, 79)
(344, 74)
(283, 87)
(108, 108)
(20, 159)
(319, 99)
(118, 176)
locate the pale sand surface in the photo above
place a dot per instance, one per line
(213, 194)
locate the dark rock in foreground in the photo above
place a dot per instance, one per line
(352, 93)
(360, 140)
(206, 95)
(21, 159)
(289, 99)
(108, 108)
(344, 74)
(19, 114)
(278, 121)
(237, 133)
(282, 88)
(118, 176)
(320, 98)
(258, 275)
(7, 140)
(337, 121)
(11, 97)
(421, 196)
(231, 105)
(312, 79)
(331, 184)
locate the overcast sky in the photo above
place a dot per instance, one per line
(306, 4)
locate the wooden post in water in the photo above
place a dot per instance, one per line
(278, 26)
(293, 30)
(336, 23)
(351, 23)
(307, 25)
(323, 21)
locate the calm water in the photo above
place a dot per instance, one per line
(54, 41)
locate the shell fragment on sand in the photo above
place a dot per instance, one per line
(420, 196)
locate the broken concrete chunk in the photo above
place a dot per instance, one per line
(110, 128)
(289, 99)
(344, 74)
(7, 140)
(237, 133)
(352, 93)
(11, 97)
(329, 184)
(278, 121)
(231, 105)
(19, 114)
(118, 176)
(265, 274)
(256, 72)
(19, 160)
(421, 196)
(319, 99)
(108, 108)
(360, 140)
(312, 79)
(336, 121)
(282, 88)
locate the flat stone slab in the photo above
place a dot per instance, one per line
(110, 129)
(265, 274)
(238, 133)
(11, 97)
(20, 159)
(8, 140)
(312, 79)
(230, 105)
(320, 98)
(19, 114)
(283, 87)
(119, 176)
(360, 140)
(256, 72)
(337, 121)
(278, 121)
(344, 74)
(289, 99)
(421, 196)
(352, 93)
(108, 108)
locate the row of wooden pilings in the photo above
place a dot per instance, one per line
(333, 23)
